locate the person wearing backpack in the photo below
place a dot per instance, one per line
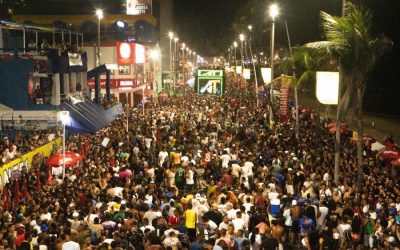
(344, 229)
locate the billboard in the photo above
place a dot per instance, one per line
(138, 7)
(210, 82)
(327, 89)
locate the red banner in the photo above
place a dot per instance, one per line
(283, 102)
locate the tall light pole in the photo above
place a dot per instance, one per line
(171, 36)
(250, 28)
(100, 15)
(235, 44)
(241, 38)
(273, 12)
(176, 60)
(64, 116)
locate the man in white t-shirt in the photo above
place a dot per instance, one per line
(189, 178)
(69, 243)
(238, 222)
(236, 174)
(148, 142)
(162, 156)
(226, 158)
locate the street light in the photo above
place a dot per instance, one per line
(171, 36)
(250, 28)
(176, 60)
(64, 117)
(273, 12)
(100, 15)
(241, 38)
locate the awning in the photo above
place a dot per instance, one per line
(146, 92)
(86, 117)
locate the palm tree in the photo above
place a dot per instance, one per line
(350, 43)
(304, 61)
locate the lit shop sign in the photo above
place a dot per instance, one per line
(125, 53)
(210, 82)
(125, 83)
(139, 54)
(138, 7)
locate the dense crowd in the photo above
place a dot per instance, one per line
(207, 173)
(11, 147)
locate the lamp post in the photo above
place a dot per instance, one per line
(176, 60)
(235, 46)
(241, 38)
(144, 86)
(273, 12)
(171, 36)
(64, 116)
(250, 28)
(100, 15)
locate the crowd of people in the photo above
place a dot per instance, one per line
(21, 142)
(205, 172)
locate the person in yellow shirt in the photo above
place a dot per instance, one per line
(190, 222)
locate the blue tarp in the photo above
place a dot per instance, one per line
(86, 117)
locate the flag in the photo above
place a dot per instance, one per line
(38, 185)
(5, 196)
(16, 195)
(24, 189)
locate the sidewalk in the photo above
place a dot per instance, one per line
(384, 125)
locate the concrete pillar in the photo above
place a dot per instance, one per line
(55, 96)
(66, 84)
(73, 81)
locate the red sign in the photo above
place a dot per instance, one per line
(283, 102)
(125, 53)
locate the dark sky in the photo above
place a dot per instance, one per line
(210, 25)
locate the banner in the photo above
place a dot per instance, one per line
(75, 59)
(138, 7)
(327, 89)
(246, 74)
(6, 171)
(266, 75)
(116, 110)
(283, 102)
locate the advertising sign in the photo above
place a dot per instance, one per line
(210, 82)
(7, 170)
(125, 53)
(138, 7)
(283, 102)
(327, 87)
(266, 75)
(75, 59)
(140, 56)
(246, 74)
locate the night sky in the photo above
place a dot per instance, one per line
(211, 26)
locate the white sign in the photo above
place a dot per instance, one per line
(125, 83)
(138, 7)
(239, 70)
(266, 75)
(327, 89)
(139, 53)
(246, 74)
(105, 141)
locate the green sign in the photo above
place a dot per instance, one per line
(210, 82)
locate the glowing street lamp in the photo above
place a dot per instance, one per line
(273, 13)
(100, 15)
(241, 38)
(250, 28)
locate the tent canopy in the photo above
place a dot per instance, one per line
(86, 117)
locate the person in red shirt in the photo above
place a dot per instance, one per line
(174, 219)
(226, 179)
